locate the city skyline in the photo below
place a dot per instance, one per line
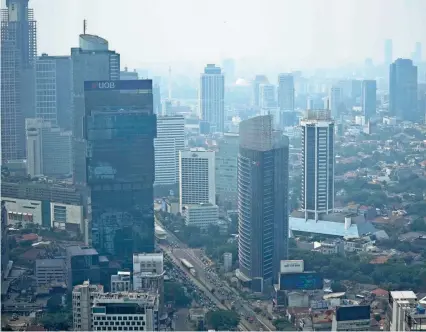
(304, 27)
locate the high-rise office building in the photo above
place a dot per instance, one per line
(54, 90)
(317, 163)
(197, 177)
(335, 101)
(228, 66)
(388, 52)
(403, 90)
(129, 75)
(91, 61)
(262, 201)
(212, 94)
(258, 80)
(156, 94)
(120, 128)
(417, 54)
(368, 99)
(170, 140)
(286, 92)
(18, 55)
(49, 149)
(226, 169)
(267, 96)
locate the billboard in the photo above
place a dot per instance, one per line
(301, 281)
(292, 266)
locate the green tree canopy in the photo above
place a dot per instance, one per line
(222, 320)
(174, 292)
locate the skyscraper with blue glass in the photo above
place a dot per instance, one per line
(119, 129)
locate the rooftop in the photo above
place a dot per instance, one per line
(53, 263)
(148, 298)
(81, 251)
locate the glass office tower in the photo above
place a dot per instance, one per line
(119, 128)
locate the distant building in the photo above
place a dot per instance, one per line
(405, 312)
(286, 92)
(49, 149)
(81, 263)
(403, 90)
(226, 169)
(170, 140)
(369, 98)
(335, 101)
(388, 52)
(258, 80)
(229, 71)
(197, 177)
(212, 94)
(129, 75)
(227, 261)
(121, 282)
(83, 297)
(318, 163)
(91, 61)
(262, 201)
(50, 271)
(352, 318)
(54, 86)
(267, 96)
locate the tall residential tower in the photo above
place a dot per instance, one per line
(262, 201)
(212, 91)
(368, 98)
(318, 163)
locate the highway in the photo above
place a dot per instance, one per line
(224, 296)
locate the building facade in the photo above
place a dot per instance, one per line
(91, 61)
(18, 56)
(200, 215)
(81, 264)
(262, 201)
(317, 163)
(54, 90)
(368, 99)
(267, 96)
(258, 80)
(403, 90)
(120, 130)
(212, 94)
(197, 177)
(83, 297)
(226, 170)
(170, 140)
(286, 92)
(335, 101)
(49, 149)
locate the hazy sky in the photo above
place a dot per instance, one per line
(300, 33)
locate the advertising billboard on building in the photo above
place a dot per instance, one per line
(301, 281)
(292, 266)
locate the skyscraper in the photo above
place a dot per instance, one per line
(403, 90)
(54, 90)
(197, 177)
(286, 92)
(258, 80)
(170, 140)
(368, 99)
(417, 54)
(212, 90)
(18, 55)
(229, 71)
(120, 128)
(388, 52)
(91, 61)
(335, 100)
(262, 201)
(267, 96)
(318, 163)
(226, 169)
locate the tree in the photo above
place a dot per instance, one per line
(222, 320)
(59, 321)
(54, 304)
(282, 324)
(337, 287)
(174, 292)
(418, 225)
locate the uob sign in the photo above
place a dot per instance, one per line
(104, 85)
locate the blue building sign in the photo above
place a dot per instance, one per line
(118, 85)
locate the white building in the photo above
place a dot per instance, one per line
(49, 149)
(200, 215)
(197, 182)
(50, 271)
(170, 140)
(82, 301)
(226, 169)
(267, 96)
(405, 312)
(125, 311)
(121, 282)
(211, 96)
(317, 163)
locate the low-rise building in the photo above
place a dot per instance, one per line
(121, 282)
(50, 271)
(352, 318)
(201, 215)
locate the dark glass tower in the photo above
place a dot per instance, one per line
(262, 201)
(119, 128)
(369, 98)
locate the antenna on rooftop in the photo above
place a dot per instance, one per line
(84, 26)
